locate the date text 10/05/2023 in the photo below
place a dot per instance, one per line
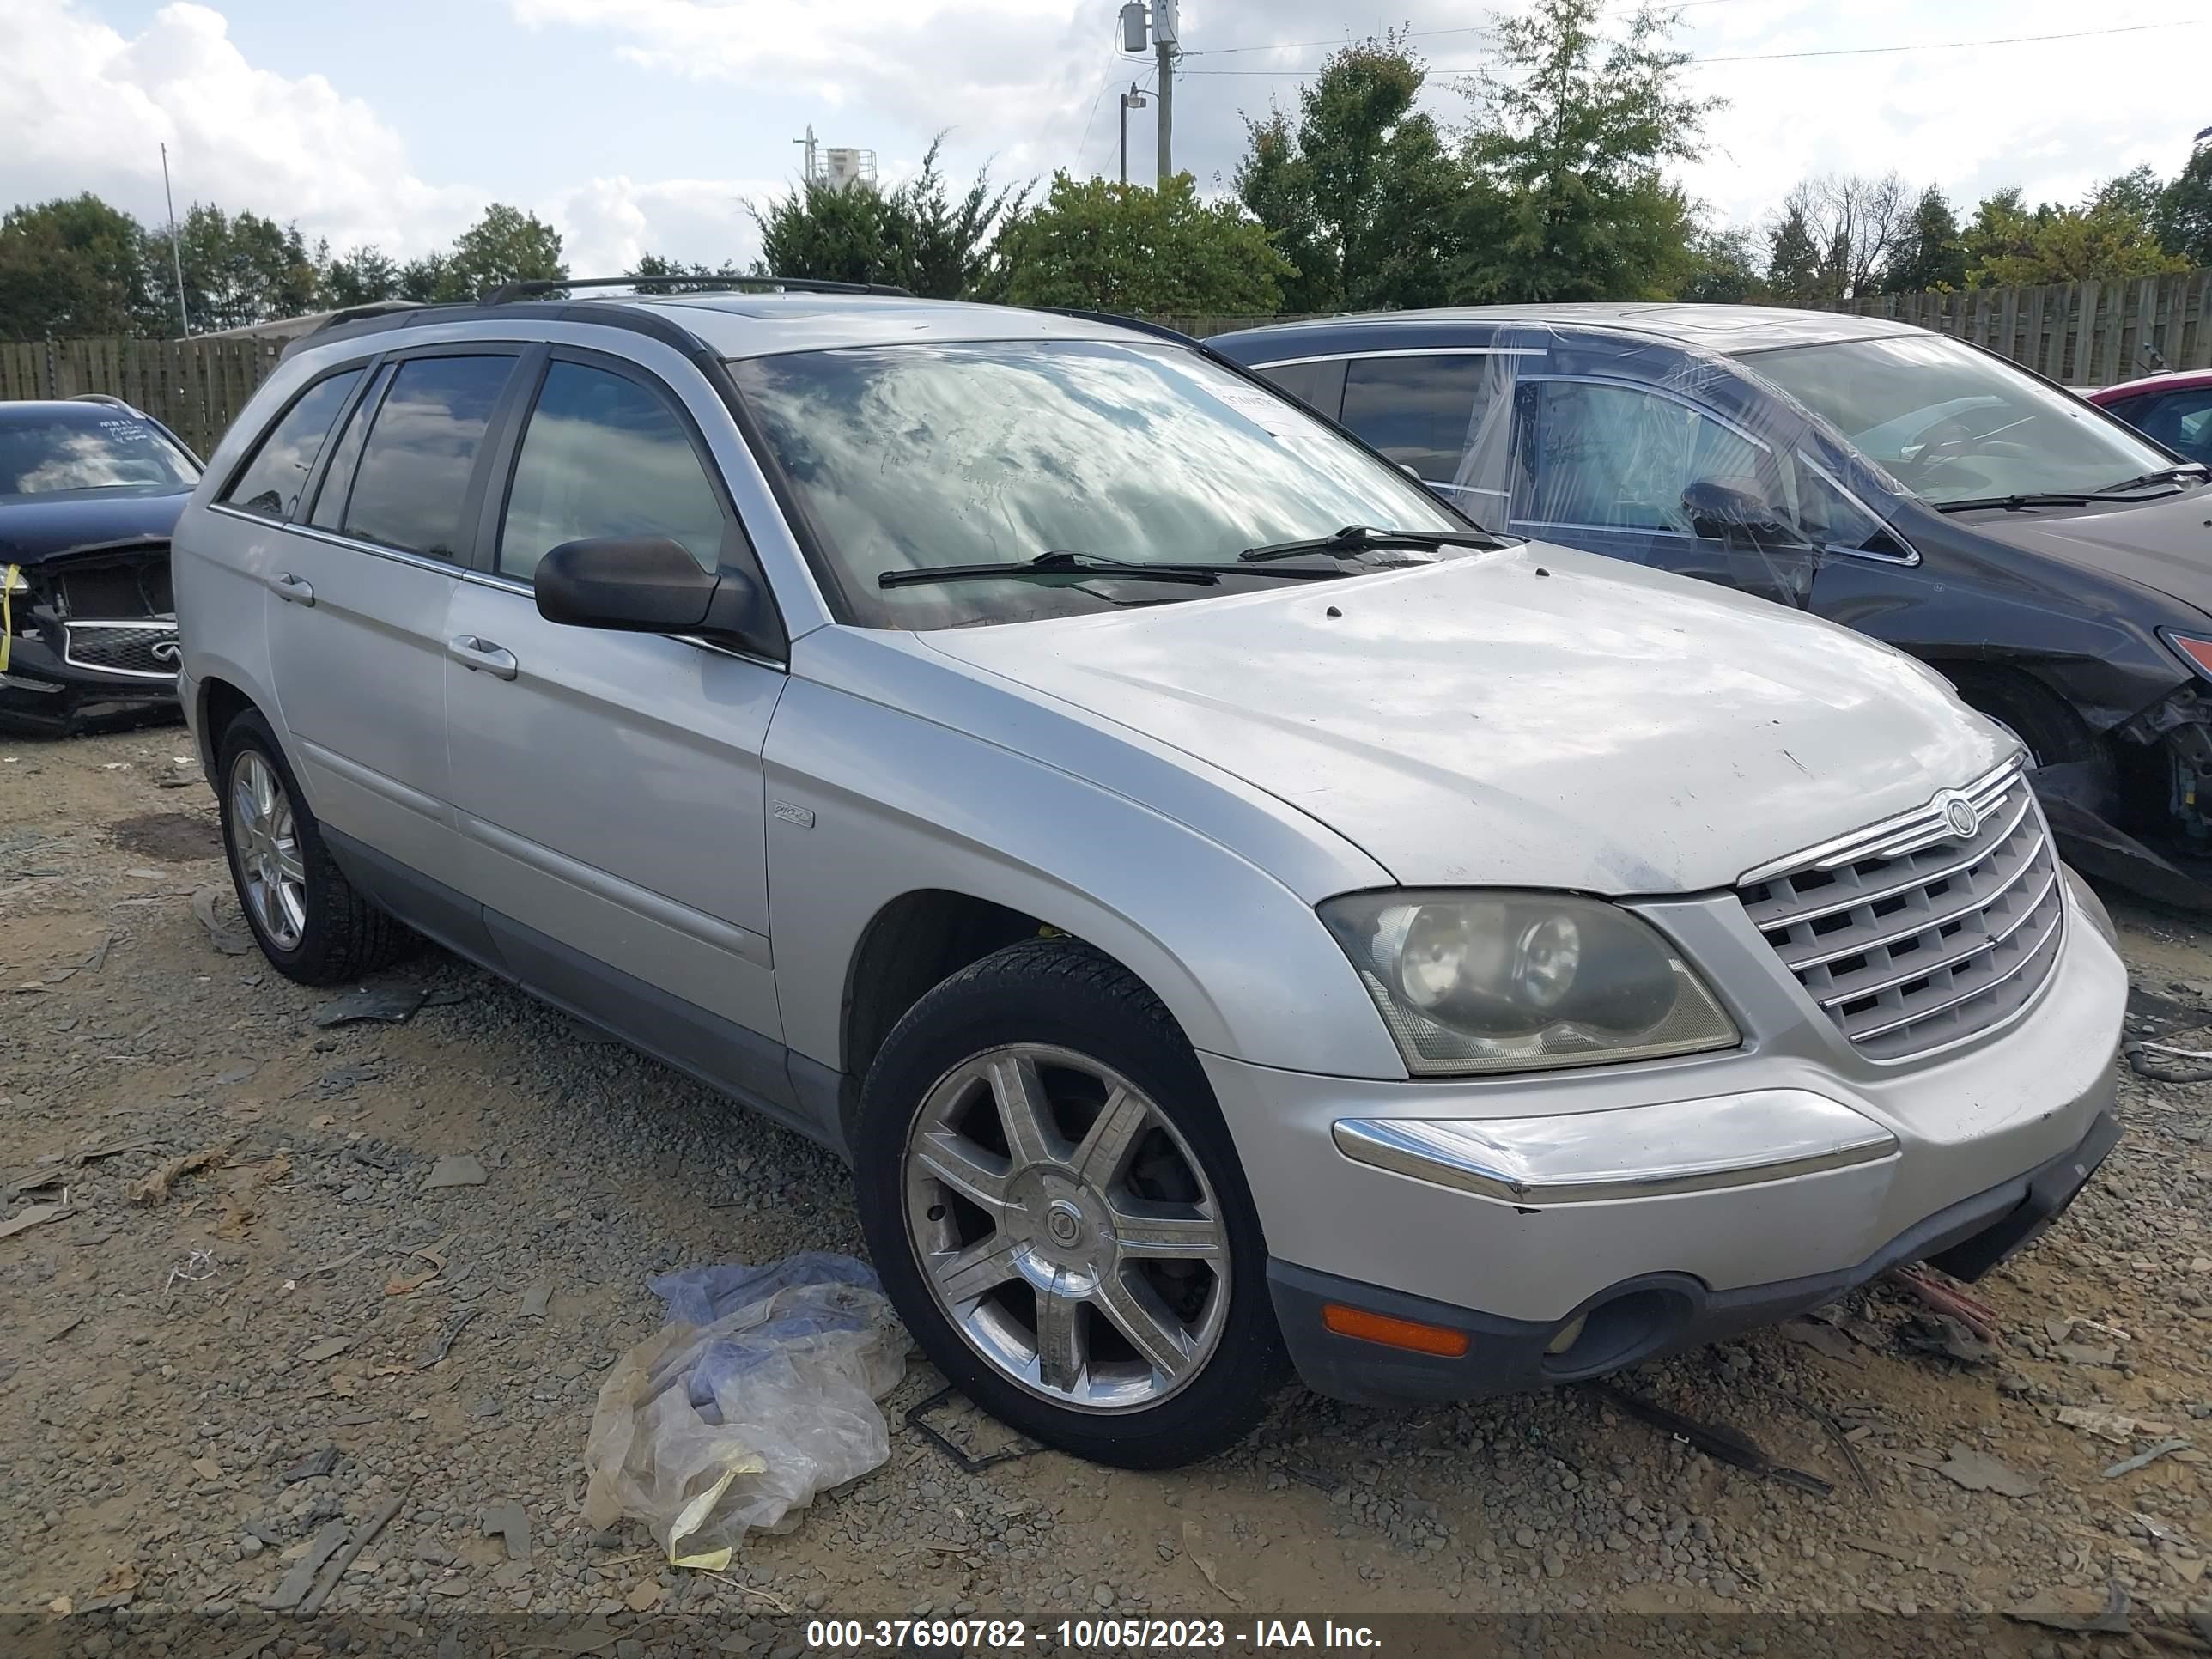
(1080, 1635)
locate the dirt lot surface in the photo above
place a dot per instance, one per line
(194, 1385)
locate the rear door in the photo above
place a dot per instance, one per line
(359, 590)
(610, 795)
(1444, 414)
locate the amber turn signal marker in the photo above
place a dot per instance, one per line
(2198, 650)
(1393, 1332)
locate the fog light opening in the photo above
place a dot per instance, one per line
(1615, 1333)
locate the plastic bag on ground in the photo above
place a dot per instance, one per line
(759, 1394)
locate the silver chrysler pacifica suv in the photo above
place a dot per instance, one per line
(1229, 910)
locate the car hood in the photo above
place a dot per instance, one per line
(1536, 717)
(2165, 545)
(32, 533)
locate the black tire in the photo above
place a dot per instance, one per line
(345, 936)
(2053, 732)
(1066, 994)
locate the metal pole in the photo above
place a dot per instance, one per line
(176, 251)
(1165, 49)
(1125, 138)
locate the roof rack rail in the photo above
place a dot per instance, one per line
(507, 292)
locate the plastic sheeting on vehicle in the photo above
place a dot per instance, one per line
(1657, 454)
(760, 1392)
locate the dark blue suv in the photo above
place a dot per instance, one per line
(2053, 564)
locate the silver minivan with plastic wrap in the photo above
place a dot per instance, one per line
(1232, 912)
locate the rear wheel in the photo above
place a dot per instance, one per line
(1052, 1199)
(307, 917)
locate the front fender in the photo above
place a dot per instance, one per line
(868, 801)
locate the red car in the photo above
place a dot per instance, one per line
(2173, 408)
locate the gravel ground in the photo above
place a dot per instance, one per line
(173, 1374)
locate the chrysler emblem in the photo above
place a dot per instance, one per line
(1958, 814)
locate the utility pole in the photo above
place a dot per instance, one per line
(807, 145)
(1131, 100)
(176, 253)
(1164, 38)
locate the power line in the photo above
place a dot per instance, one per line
(1833, 51)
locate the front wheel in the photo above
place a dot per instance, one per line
(1052, 1199)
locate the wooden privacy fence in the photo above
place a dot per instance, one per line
(2077, 333)
(194, 387)
(2080, 333)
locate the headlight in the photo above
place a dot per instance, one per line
(1478, 982)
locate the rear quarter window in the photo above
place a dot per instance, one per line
(269, 483)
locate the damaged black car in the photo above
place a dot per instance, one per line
(90, 490)
(2051, 562)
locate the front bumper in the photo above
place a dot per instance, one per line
(46, 685)
(1566, 1222)
(1651, 1314)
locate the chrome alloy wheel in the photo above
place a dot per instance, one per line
(269, 867)
(1064, 1227)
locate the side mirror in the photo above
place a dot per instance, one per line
(1719, 508)
(651, 584)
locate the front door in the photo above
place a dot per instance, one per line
(358, 589)
(608, 786)
(1643, 475)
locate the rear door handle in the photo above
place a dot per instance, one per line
(475, 655)
(297, 589)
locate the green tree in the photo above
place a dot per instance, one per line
(1573, 131)
(1930, 252)
(2184, 215)
(2008, 243)
(1128, 248)
(506, 245)
(1796, 269)
(238, 269)
(654, 264)
(2135, 192)
(918, 236)
(1724, 268)
(71, 267)
(1273, 183)
(359, 276)
(1360, 195)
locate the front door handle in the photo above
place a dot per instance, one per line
(481, 655)
(295, 589)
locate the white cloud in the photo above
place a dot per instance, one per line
(83, 107)
(606, 224)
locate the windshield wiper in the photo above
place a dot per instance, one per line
(2036, 498)
(1058, 563)
(2169, 475)
(1356, 538)
(2119, 492)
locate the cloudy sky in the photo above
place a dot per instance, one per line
(647, 124)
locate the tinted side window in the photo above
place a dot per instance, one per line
(411, 486)
(329, 510)
(604, 456)
(269, 483)
(1417, 411)
(1302, 380)
(2181, 420)
(1617, 457)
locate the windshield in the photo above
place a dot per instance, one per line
(909, 457)
(114, 450)
(1954, 424)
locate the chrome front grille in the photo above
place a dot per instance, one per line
(145, 650)
(1908, 934)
